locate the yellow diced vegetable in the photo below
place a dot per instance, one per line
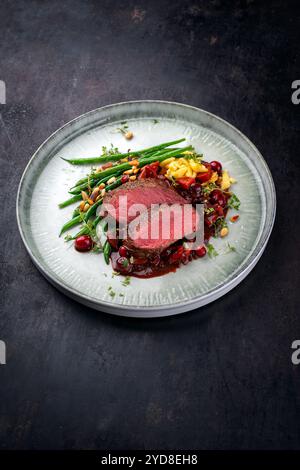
(214, 177)
(167, 161)
(225, 183)
(189, 172)
(196, 166)
(180, 172)
(173, 166)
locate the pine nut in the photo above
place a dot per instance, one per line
(81, 205)
(95, 193)
(224, 232)
(128, 135)
(134, 162)
(128, 172)
(84, 195)
(103, 192)
(111, 180)
(90, 201)
(86, 207)
(102, 185)
(132, 178)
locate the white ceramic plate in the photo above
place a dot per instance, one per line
(86, 277)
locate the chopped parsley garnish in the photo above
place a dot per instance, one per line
(126, 281)
(208, 210)
(208, 188)
(234, 202)
(218, 225)
(110, 151)
(124, 128)
(124, 263)
(68, 238)
(211, 251)
(193, 156)
(89, 227)
(230, 248)
(111, 292)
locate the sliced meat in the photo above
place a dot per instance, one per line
(160, 226)
(122, 203)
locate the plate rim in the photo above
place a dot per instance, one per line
(161, 310)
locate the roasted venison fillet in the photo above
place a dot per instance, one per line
(144, 192)
(157, 228)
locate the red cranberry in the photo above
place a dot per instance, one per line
(216, 166)
(219, 210)
(149, 171)
(124, 179)
(193, 194)
(123, 251)
(185, 258)
(210, 220)
(200, 252)
(83, 243)
(204, 177)
(217, 197)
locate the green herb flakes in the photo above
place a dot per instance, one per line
(211, 251)
(234, 202)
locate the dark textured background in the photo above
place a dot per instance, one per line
(220, 377)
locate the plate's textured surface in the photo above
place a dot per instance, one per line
(86, 277)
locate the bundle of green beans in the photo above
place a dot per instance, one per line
(145, 157)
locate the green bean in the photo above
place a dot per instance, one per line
(96, 221)
(73, 199)
(119, 169)
(76, 212)
(71, 223)
(159, 158)
(92, 209)
(106, 251)
(119, 156)
(94, 176)
(90, 212)
(84, 231)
